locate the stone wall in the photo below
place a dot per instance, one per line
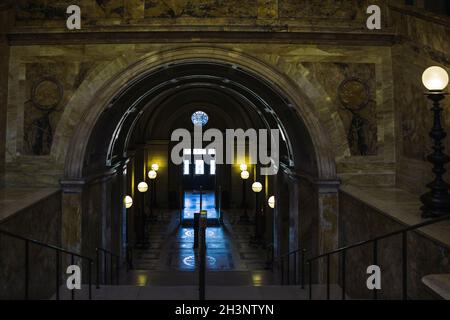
(359, 222)
(306, 65)
(423, 43)
(4, 70)
(42, 222)
(210, 12)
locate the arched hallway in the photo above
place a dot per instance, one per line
(293, 136)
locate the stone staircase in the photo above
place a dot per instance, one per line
(241, 293)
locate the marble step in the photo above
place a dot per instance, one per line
(439, 284)
(191, 293)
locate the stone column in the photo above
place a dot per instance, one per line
(73, 205)
(328, 205)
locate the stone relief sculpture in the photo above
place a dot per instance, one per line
(46, 96)
(354, 96)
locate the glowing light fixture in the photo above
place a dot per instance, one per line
(245, 175)
(142, 187)
(152, 174)
(436, 202)
(243, 167)
(155, 167)
(257, 187)
(128, 202)
(271, 202)
(435, 78)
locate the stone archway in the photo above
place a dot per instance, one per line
(96, 93)
(99, 91)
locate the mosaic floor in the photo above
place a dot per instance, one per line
(171, 247)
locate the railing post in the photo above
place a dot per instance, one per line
(111, 268)
(117, 269)
(303, 268)
(375, 262)
(72, 262)
(295, 268)
(344, 255)
(405, 265)
(57, 273)
(97, 267)
(90, 278)
(202, 257)
(27, 271)
(310, 279)
(328, 277)
(105, 278)
(288, 268)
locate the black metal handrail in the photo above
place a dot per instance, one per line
(343, 250)
(112, 256)
(202, 257)
(281, 259)
(58, 252)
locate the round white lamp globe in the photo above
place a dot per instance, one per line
(245, 175)
(152, 174)
(128, 202)
(243, 167)
(257, 187)
(435, 78)
(271, 202)
(142, 187)
(155, 167)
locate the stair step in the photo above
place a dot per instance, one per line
(191, 293)
(439, 284)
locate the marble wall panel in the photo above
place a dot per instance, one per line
(423, 44)
(48, 87)
(133, 12)
(201, 9)
(4, 70)
(75, 63)
(341, 9)
(340, 72)
(358, 222)
(41, 221)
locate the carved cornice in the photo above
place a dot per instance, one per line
(27, 36)
(421, 14)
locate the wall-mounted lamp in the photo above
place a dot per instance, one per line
(142, 187)
(245, 175)
(128, 202)
(155, 167)
(257, 187)
(271, 202)
(152, 174)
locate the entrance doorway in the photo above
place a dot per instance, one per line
(192, 205)
(197, 173)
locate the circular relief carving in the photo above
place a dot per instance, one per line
(46, 94)
(354, 94)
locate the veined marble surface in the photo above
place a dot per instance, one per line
(12, 200)
(400, 205)
(439, 283)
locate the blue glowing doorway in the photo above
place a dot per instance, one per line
(192, 205)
